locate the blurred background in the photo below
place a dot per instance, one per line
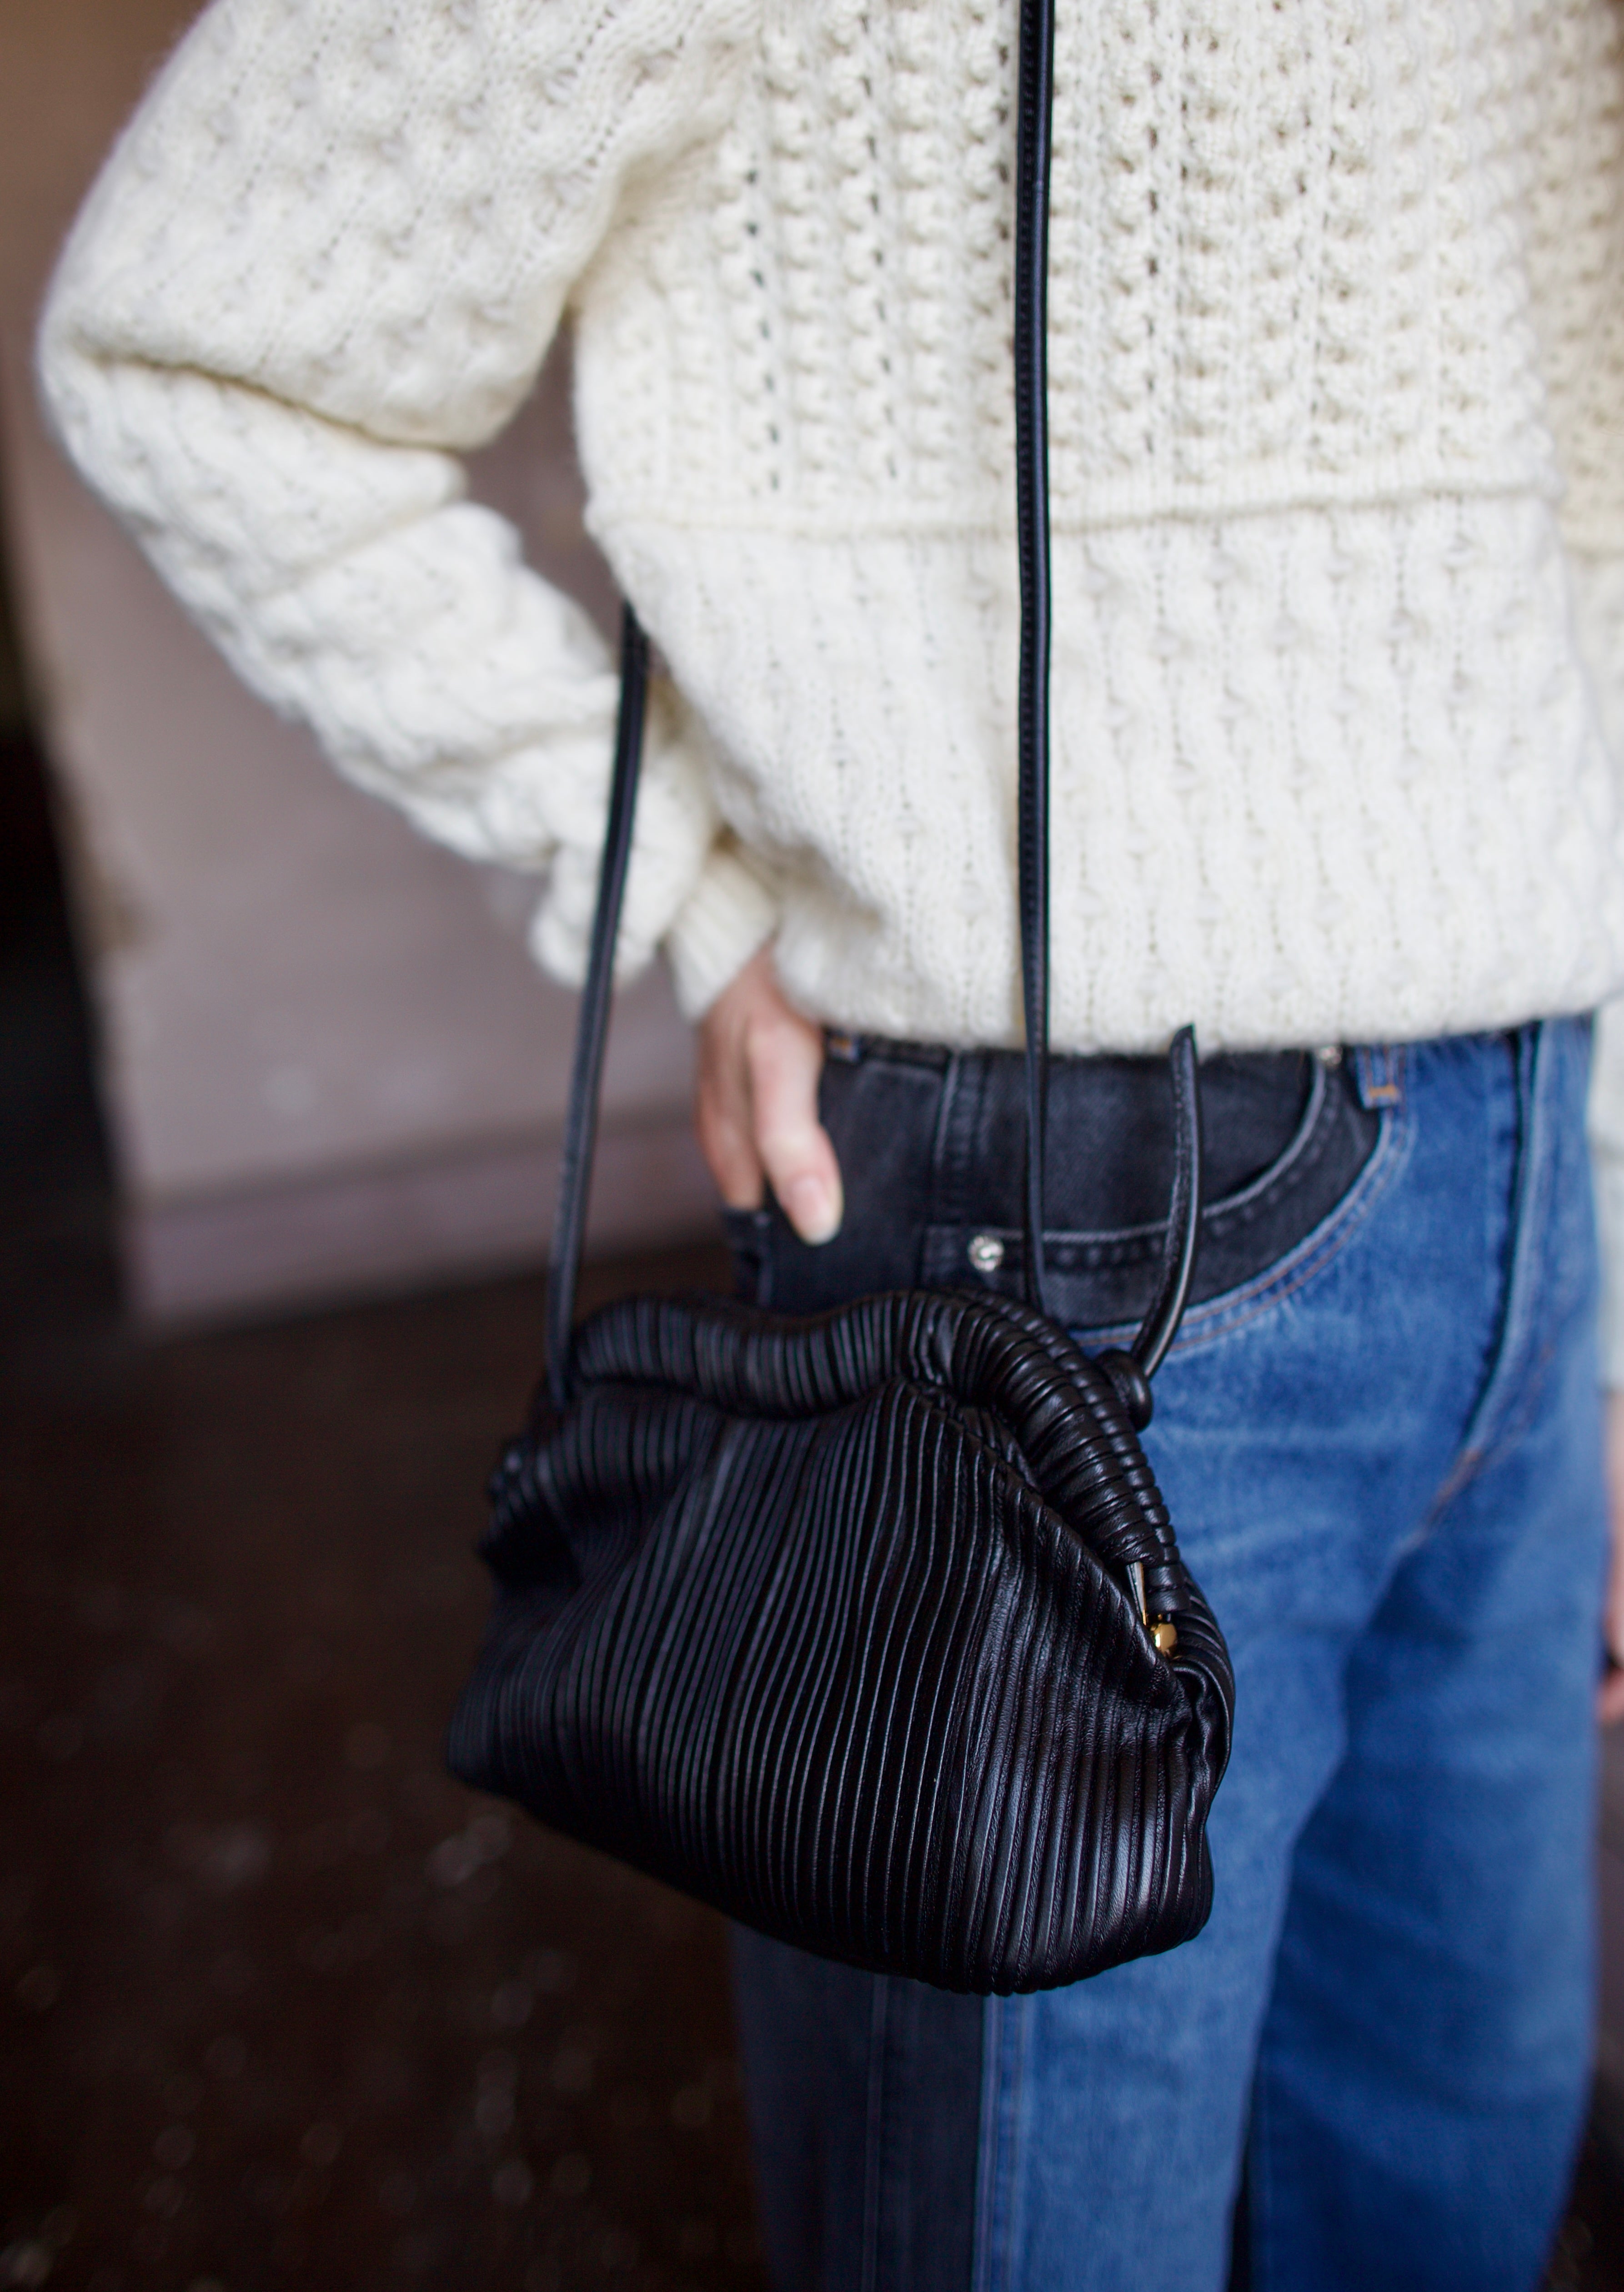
(280, 1094)
(281, 2005)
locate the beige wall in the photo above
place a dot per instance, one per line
(328, 1061)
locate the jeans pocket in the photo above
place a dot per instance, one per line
(749, 1234)
(1287, 1271)
(1102, 1280)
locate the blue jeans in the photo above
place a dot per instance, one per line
(1382, 1452)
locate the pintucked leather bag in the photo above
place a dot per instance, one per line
(869, 1628)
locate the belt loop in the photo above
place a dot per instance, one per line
(1380, 1067)
(954, 1150)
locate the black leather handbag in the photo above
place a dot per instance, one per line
(868, 1628)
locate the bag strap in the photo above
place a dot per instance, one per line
(1033, 124)
(1035, 105)
(592, 1025)
(1034, 150)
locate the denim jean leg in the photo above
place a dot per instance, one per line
(1422, 2072)
(865, 2095)
(1304, 1433)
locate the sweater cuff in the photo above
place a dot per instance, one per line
(731, 911)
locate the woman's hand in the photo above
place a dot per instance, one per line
(1610, 1700)
(756, 1103)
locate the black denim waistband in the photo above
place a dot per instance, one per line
(932, 1145)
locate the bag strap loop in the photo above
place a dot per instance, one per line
(1035, 106)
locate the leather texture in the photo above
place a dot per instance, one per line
(826, 1621)
(850, 1625)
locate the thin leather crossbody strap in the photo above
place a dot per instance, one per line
(592, 1025)
(1035, 103)
(1034, 114)
(1033, 133)
(1035, 124)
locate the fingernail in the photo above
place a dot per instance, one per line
(815, 1209)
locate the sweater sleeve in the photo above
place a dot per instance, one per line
(1576, 263)
(1598, 595)
(328, 256)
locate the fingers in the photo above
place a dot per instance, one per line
(785, 1056)
(756, 1103)
(721, 1108)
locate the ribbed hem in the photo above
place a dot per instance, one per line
(730, 912)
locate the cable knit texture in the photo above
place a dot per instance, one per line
(1331, 333)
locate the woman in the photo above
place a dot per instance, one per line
(1333, 780)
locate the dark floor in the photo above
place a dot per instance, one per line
(280, 2005)
(289, 2007)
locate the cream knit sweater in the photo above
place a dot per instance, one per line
(1337, 361)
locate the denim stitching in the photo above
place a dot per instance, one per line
(1515, 1361)
(1220, 1318)
(947, 1149)
(1003, 2077)
(1255, 2180)
(988, 2160)
(1380, 1068)
(874, 2159)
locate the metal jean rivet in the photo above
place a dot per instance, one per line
(986, 1252)
(1329, 1054)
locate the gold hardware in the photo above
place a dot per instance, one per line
(1163, 1635)
(1135, 1578)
